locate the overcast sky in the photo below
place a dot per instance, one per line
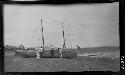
(88, 25)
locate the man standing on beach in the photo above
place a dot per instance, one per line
(38, 55)
(52, 50)
(60, 52)
(38, 52)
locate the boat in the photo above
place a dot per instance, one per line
(66, 53)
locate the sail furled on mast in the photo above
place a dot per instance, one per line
(63, 36)
(42, 35)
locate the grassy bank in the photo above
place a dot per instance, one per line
(17, 64)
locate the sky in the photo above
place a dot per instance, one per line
(88, 25)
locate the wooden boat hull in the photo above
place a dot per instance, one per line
(56, 54)
(46, 54)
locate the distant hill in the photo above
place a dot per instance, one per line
(98, 49)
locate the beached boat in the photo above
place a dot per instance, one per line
(47, 53)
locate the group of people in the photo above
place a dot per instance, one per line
(52, 51)
(59, 50)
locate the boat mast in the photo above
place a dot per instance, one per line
(63, 37)
(42, 35)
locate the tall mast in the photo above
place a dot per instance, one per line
(63, 37)
(42, 35)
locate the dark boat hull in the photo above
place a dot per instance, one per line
(47, 54)
(56, 54)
